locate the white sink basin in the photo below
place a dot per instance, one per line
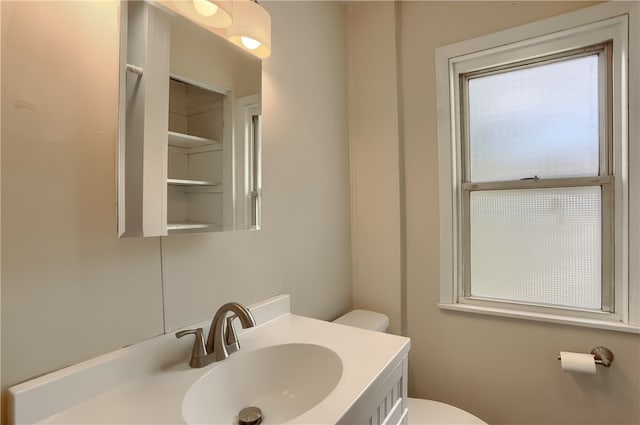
(284, 381)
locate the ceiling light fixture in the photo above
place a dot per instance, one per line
(210, 13)
(251, 28)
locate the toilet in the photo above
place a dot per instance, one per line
(423, 412)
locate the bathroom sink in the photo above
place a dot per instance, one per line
(284, 381)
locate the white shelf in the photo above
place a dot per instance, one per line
(188, 141)
(187, 182)
(190, 226)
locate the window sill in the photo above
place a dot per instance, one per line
(541, 317)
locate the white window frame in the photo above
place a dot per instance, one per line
(617, 21)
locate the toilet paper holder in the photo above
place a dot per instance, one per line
(603, 356)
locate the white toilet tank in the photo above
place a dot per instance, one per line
(364, 319)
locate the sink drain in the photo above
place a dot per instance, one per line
(250, 416)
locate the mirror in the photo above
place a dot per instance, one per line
(189, 148)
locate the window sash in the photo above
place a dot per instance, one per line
(606, 184)
(605, 178)
(605, 74)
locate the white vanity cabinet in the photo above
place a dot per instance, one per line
(384, 402)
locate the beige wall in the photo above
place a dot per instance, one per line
(375, 166)
(502, 370)
(70, 288)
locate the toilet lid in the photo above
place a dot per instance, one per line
(365, 319)
(429, 412)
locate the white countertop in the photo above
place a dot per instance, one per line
(153, 394)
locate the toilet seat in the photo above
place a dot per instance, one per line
(429, 412)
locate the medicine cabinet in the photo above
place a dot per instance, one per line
(189, 127)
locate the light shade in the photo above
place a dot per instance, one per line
(251, 28)
(208, 13)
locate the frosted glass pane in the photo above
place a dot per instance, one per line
(537, 246)
(536, 121)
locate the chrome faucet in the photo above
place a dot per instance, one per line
(222, 340)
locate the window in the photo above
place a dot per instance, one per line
(534, 156)
(535, 173)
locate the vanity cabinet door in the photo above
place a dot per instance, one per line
(385, 401)
(145, 33)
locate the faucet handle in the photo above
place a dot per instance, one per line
(199, 351)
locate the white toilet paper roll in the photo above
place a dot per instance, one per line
(577, 362)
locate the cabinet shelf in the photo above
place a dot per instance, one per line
(191, 226)
(194, 186)
(187, 182)
(182, 140)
